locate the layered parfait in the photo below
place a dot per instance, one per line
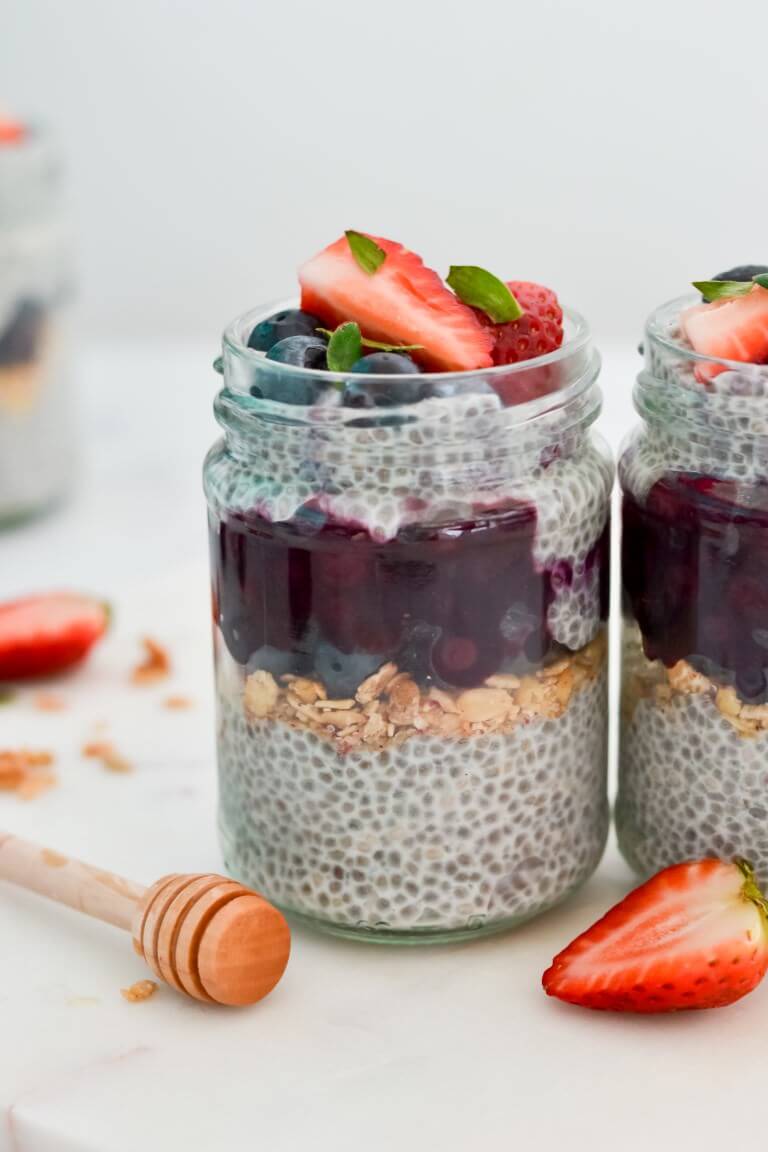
(694, 741)
(36, 448)
(409, 546)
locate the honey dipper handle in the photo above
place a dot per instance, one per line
(67, 881)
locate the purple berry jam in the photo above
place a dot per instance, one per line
(451, 605)
(695, 577)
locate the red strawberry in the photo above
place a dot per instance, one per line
(695, 936)
(10, 131)
(45, 634)
(735, 329)
(538, 331)
(402, 302)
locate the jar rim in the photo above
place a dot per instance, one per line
(235, 341)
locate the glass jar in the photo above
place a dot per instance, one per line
(410, 608)
(694, 731)
(36, 425)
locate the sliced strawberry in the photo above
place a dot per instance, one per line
(41, 635)
(695, 936)
(402, 302)
(735, 329)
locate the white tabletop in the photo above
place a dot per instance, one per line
(360, 1047)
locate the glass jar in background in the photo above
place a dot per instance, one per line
(410, 609)
(694, 729)
(36, 418)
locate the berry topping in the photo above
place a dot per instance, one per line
(695, 936)
(538, 331)
(44, 634)
(399, 302)
(742, 272)
(20, 338)
(387, 364)
(734, 326)
(300, 352)
(291, 322)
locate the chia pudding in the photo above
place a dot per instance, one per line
(36, 435)
(694, 732)
(410, 589)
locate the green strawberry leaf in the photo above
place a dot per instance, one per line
(762, 279)
(377, 345)
(483, 290)
(345, 347)
(366, 251)
(6, 695)
(723, 289)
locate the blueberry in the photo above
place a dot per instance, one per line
(269, 659)
(18, 342)
(343, 672)
(447, 388)
(300, 352)
(381, 393)
(291, 322)
(295, 351)
(742, 272)
(387, 364)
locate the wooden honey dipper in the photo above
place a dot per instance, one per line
(203, 934)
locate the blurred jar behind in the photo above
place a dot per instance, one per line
(37, 448)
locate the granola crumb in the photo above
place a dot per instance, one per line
(261, 694)
(177, 703)
(49, 702)
(108, 755)
(156, 664)
(141, 990)
(25, 772)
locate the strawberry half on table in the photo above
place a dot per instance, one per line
(398, 301)
(42, 635)
(694, 936)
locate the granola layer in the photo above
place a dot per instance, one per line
(389, 707)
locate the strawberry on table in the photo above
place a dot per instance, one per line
(694, 936)
(41, 635)
(394, 298)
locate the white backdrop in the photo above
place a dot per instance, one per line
(615, 151)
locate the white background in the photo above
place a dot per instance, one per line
(615, 151)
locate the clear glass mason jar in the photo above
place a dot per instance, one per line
(410, 608)
(36, 418)
(694, 730)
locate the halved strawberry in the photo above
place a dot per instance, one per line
(44, 634)
(735, 329)
(695, 936)
(402, 302)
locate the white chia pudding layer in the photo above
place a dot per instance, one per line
(693, 770)
(425, 835)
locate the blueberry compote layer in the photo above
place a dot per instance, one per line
(451, 605)
(695, 577)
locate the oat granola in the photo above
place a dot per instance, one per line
(389, 707)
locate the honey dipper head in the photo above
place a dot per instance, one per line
(212, 938)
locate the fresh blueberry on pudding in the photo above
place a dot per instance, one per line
(409, 546)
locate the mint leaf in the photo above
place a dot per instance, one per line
(345, 347)
(762, 279)
(377, 345)
(366, 251)
(483, 290)
(723, 289)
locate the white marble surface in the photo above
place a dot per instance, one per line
(360, 1046)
